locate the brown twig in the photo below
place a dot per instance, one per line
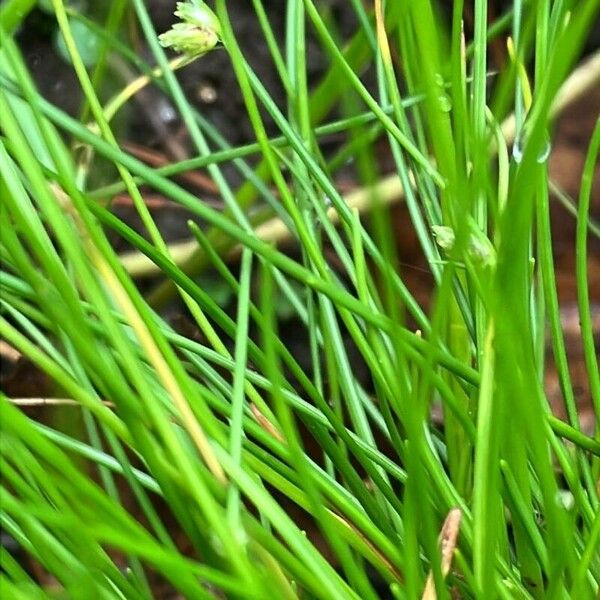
(25, 402)
(448, 538)
(158, 159)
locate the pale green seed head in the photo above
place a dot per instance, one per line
(481, 250)
(198, 32)
(444, 236)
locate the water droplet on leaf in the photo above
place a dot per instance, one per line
(520, 146)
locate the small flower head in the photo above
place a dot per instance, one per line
(444, 236)
(481, 250)
(198, 32)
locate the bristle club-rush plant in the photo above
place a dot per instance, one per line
(323, 425)
(197, 32)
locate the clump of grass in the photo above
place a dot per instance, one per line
(499, 501)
